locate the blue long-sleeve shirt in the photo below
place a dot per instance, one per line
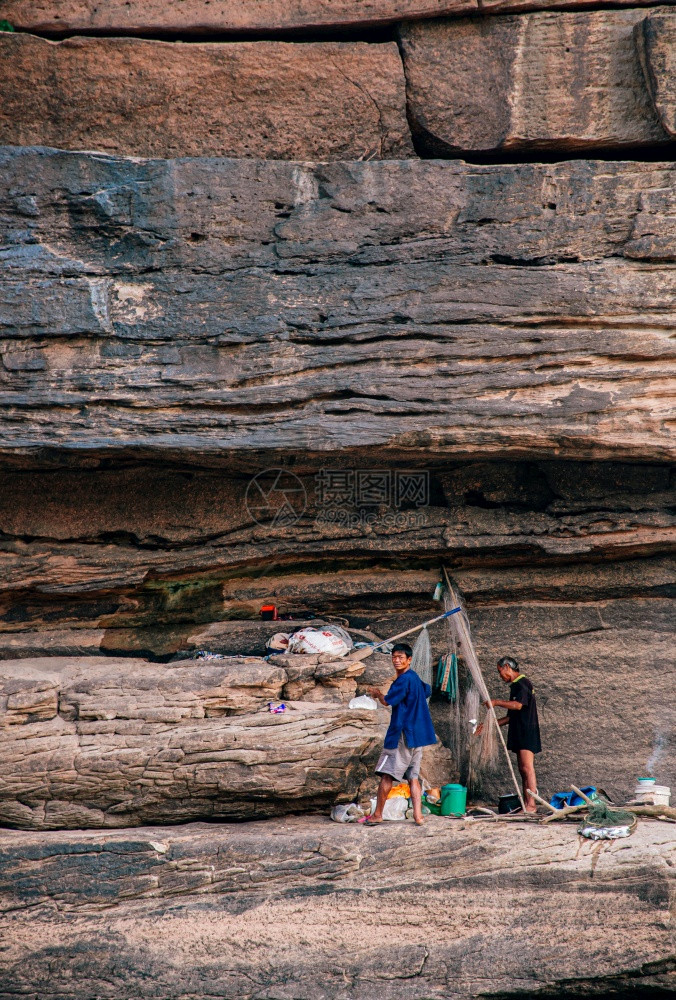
(407, 698)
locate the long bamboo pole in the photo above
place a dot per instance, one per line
(491, 709)
(361, 654)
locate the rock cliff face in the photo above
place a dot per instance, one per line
(565, 565)
(514, 83)
(428, 308)
(177, 17)
(256, 345)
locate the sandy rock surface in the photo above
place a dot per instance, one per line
(187, 17)
(201, 16)
(303, 907)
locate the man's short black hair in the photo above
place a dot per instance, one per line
(508, 661)
(402, 647)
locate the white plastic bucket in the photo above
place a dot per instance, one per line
(652, 794)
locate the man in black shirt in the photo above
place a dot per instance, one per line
(523, 736)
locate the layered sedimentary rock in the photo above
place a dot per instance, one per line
(421, 308)
(440, 363)
(151, 98)
(176, 17)
(216, 16)
(569, 568)
(289, 908)
(603, 673)
(546, 81)
(102, 742)
(139, 547)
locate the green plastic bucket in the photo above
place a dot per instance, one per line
(453, 800)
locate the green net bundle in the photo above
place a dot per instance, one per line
(605, 823)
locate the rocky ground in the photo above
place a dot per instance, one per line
(305, 908)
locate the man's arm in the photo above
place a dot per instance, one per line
(513, 706)
(500, 703)
(396, 693)
(501, 722)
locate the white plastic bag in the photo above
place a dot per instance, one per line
(313, 640)
(340, 633)
(394, 808)
(349, 813)
(364, 701)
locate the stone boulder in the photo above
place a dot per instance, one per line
(105, 742)
(88, 688)
(541, 82)
(324, 100)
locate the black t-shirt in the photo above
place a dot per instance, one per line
(524, 728)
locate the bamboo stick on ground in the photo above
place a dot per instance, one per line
(556, 813)
(668, 812)
(543, 802)
(657, 812)
(565, 812)
(590, 802)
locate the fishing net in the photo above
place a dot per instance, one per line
(605, 823)
(421, 659)
(471, 709)
(449, 665)
(484, 751)
(467, 758)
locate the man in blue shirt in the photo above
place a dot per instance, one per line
(409, 731)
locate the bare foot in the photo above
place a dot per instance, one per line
(419, 821)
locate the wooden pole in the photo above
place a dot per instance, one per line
(361, 654)
(585, 798)
(492, 710)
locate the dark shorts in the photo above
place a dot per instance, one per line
(525, 741)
